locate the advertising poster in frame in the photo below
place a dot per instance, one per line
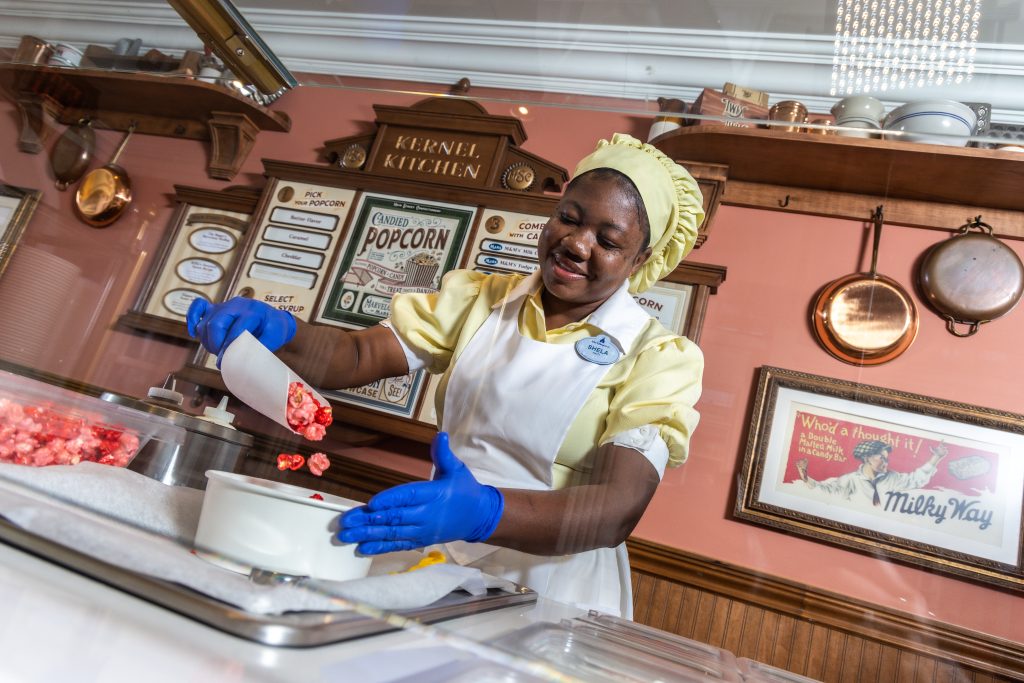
(923, 480)
(395, 244)
(16, 207)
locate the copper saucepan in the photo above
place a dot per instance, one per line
(72, 153)
(105, 192)
(971, 278)
(865, 318)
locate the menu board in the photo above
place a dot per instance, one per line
(288, 257)
(202, 253)
(395, 245)
(506, 242)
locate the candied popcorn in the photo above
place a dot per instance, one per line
(39, 437)
(290, 461)
(318, 464)
(305, 414)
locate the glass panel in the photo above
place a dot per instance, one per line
(853, 292)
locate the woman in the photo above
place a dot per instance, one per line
(561, 400)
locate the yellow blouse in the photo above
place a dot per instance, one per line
(657, 383)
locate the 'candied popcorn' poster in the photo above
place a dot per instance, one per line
(395, 245)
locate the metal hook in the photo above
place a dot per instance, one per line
(784, 204)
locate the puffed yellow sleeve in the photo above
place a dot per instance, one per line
(661, 389)
(430, 324)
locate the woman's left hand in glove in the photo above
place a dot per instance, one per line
(453, 506)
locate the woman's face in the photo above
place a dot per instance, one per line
(592, 243)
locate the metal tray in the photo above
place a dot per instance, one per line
(295, 629)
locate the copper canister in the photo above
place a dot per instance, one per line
(790, 111)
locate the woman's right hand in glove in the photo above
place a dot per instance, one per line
(217, 325)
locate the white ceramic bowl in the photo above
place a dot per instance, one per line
(857, 129)
(248, 522)
(940, 122)
(859, 109)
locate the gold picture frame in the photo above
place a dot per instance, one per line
(17, 204)
(930, 482)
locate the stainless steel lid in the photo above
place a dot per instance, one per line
(189, 422)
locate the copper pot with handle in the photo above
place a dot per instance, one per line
(105, 192)
(865, 318)
(971, 278)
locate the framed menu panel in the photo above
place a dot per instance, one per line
(16, 207)
(298, 233)
(196, 258)
(395, 244)
(506, 242)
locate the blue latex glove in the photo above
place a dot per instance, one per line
(451, 507)
(217, 325)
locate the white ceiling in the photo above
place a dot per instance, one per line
(634, 49)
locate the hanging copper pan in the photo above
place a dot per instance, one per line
(865, 318)
(971, 278)
(72, 153)
(106, 192)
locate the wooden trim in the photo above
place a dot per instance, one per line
(236, 198)
(1008, 224)
(907, 632)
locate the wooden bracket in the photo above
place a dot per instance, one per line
(232, 136)
(34, 110)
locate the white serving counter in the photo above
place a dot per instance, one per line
(57, 625)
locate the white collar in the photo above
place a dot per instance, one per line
(620, 316)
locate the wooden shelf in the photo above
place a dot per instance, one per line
(159, 104)
(840, 176)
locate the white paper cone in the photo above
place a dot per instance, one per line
(260, 379)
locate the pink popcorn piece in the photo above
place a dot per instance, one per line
(318, 464)
(305, 414)
(38, 437)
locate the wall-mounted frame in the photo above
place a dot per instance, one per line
(196, 257)
(922, 480)
(17, 205)
(680, 301)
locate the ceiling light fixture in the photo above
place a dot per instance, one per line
(883, 45)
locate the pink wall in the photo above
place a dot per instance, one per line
(776, 262)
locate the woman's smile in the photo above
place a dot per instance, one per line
(565, 269)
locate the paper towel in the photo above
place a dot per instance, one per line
(143, 525)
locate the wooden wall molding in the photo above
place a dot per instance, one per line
(909, 633)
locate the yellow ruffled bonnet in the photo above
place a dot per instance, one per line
(675, 207)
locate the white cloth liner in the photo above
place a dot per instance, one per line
(139, 524)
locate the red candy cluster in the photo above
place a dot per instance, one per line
(290, 461)
(318, 462)
(38, 437)
(305, 414)
(317, 496)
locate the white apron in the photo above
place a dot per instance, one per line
(509, 404)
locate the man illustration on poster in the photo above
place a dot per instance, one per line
(872, 477)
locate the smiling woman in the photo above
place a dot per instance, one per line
(561, 402)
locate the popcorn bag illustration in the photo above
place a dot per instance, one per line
(420, 270)
(262, 381)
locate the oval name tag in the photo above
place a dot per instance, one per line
(599, 350)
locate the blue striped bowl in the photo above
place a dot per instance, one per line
(939, 122)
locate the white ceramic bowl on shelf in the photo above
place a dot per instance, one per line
(939, 122)
(248, 523)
